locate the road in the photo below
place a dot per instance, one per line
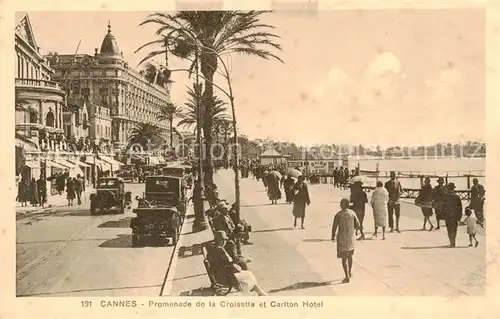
(290, 261)
(67, 252)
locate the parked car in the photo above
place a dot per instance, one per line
(109, 196)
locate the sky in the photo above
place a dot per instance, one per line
(372, 77)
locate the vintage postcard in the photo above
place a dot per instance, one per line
(254, 158)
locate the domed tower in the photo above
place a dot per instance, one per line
(109, 46)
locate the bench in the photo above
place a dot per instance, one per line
(220, 289)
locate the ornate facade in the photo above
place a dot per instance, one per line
(108, 83)
(40, 102)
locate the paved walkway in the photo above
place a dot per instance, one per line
(290, 262)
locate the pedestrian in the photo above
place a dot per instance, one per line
(438, 198)
(394, 189)
(288, 186)
(23, 192)
(346, 222)
(78, 185)
(273, 187)
(42, 191)
(379, 200)
(301, 199)
(70, 191)
(471, 222)
(424, 200)
(477, 194)
(359, 199)
(452, 213)
(34, 200)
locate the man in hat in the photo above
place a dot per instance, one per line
(223, 265)
(438, 197)
(452, 213)
(477, 193)
(394, 189)
(222, 221)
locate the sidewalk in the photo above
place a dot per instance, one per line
(289, 261)
(53, 201)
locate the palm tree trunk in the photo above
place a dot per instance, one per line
(208, 68)
(171, 120)
(236, 163)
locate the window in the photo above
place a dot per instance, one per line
(50, 119)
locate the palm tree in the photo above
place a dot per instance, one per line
(156, 74)
(168, 112)
(146, 135)
(217, 33)
(217, 110)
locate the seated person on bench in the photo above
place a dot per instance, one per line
(222, 265)
(243, 225)
(222, 221)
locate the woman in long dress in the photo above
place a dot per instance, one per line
(379, 201)
(288, 186)
(301, 199)
(33, 192)
(424, 200)
(273, 188)
(70, 191)
(359, 199)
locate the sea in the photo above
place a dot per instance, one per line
(425, 166)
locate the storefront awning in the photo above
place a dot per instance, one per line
(116, 165)
(104, 166)
(74, 170)
(79, 163)
(53, 163)
(153, 160)
(28, 145)
(32, 164)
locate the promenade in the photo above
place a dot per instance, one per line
(296, 262)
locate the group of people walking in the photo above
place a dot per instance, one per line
(34, 192)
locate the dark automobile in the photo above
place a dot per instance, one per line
(160, 212)
(109, 196)
(127, 172)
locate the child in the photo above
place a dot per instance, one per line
(471, 222)
(347, 223)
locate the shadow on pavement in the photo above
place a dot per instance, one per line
(121, 223)
(59, 241)
(305, 285)
(272, 230)
(315, 240)
(76, 212)
(266, 204)
(122, 241)
(200, 292)
(190, 251)
(433, 247)
(85, 290)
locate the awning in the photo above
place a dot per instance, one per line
(103, 165)
(32, 164)
(57, 165)
(154, 160)
(74, 169)
(79, 163)
(116, 165)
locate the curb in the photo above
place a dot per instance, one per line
(166, 286)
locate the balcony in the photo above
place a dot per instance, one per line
(38, 83)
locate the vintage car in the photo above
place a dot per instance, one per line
(109, 196)
(160, 212)
(127, 172)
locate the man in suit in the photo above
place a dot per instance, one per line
(477, 193)
(439, 194)
(452, 213)
(395, 190)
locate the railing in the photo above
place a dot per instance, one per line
(412, 193)
(38, 83)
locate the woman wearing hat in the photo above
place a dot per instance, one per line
(301, 199)
(424, 201)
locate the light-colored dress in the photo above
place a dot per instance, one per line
(379, 201)
(346, 222)
(471, 222)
